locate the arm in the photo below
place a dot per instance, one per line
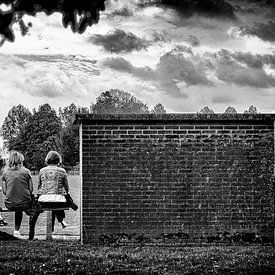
(39, 182)
(66, 184)
(4, 185)
(31, 185)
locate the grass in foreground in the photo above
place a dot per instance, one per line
(64, 257)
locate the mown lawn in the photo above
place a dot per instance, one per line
(66, 257)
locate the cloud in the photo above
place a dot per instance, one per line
(119, 41)
(123, 12)
(174, 70)
(269, 59)
(45, 76)
(223, 97)
(232, 72)
(253, 61)
(248, 59)
(159, 36)
(175, 66)
(245, 68)
(193, 40)
(205, 7)
(265, 32)
(48, 82)
(119, 64)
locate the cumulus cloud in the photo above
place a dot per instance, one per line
(269, 59)
(119, 41)
(176, 66)
(206, 7)
(42, 82)
(47, 76)
(265, 32)
(174, 70)
(119, 64)
(123, 12)
(253, 61)
(248, 59)
(123, 65)
(232, 72)
(245, 68)
(193, 40)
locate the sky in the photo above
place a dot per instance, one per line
(183, 59)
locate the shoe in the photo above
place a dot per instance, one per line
(74, 206)
(71, 202)
(17, 234)
(64, 224)
(3, 222)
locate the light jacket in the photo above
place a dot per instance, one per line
(52, 180)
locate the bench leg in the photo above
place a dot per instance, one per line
(49, 227)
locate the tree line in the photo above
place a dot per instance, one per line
(37, 132)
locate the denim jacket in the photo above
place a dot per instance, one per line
(52, 180)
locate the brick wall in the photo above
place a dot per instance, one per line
(177, 178)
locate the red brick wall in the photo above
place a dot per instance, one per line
(177, 178)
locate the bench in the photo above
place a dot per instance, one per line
(49, 223)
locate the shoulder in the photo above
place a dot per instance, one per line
(5, 171)
(25, 170)
(42, 169)
(62, 170)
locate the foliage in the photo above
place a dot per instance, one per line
(69, 139)
(15, 121)
(116, 101)
(34, 134)
(158, 109)
(251, 110)
(69, 135)
(67, 114)
(64, 257)
(38, 136)
(230, 110)
(76, 14)
(206, 110)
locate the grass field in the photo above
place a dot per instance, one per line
(72, 217)
(70, 257)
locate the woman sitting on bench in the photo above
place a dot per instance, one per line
(18, 188)
(53, 187)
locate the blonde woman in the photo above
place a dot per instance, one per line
(17, 188)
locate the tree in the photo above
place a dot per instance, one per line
(251, 110)
(230, 110)
(158, 109)
(17, 118)
(67, 114)
(206, 110)
(40, 135)
(78, 14)
(118, 102)
(69, 135)
(69, 143)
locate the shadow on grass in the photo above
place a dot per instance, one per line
(6, 237)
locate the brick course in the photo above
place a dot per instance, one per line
(187, 178)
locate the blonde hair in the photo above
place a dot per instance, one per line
(53, 157)
(15, 160)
